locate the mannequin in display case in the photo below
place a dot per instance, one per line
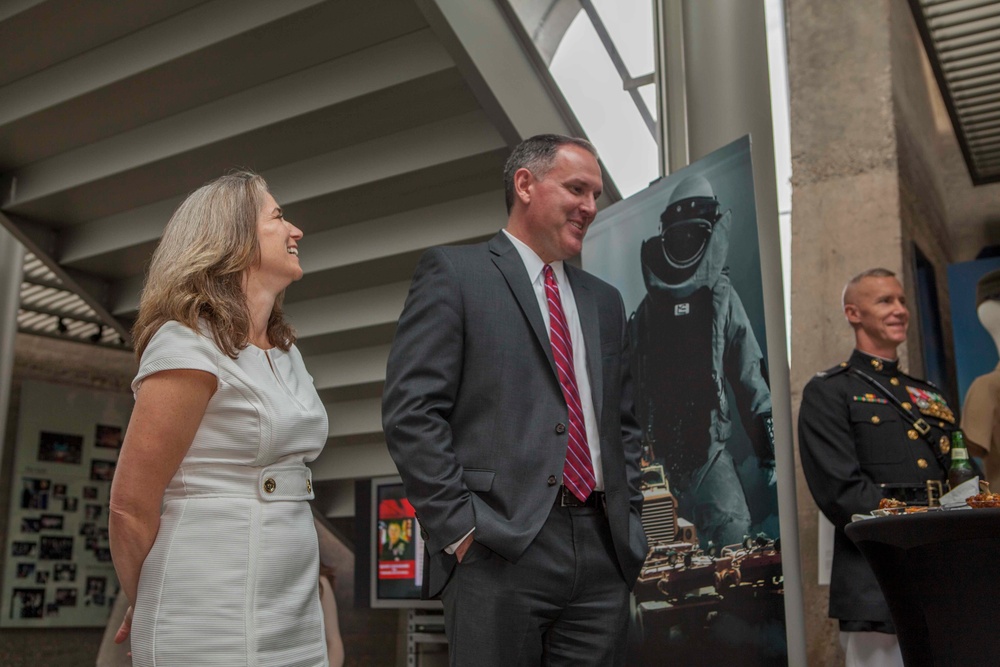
(981, 412)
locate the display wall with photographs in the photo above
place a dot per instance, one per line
(57, 564)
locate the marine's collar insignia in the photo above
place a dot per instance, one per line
(876, 364)
(931, 404)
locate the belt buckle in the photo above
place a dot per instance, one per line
(567, 499)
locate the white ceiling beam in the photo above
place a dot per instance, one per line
(349, 311)
(356, 75)
(348, 369)
(444, 223)
(116, 232)
(353, 462)
(145, 49)
(15, 7)
(508, 77)
(385, 157)
(451, 222)
(352, 418)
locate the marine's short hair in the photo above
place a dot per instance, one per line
(536, 154)
(877, 272)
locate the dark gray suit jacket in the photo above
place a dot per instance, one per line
(472, 404)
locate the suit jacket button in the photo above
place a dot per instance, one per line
(552, 480)
(560, 428)
(270, 485)
(922, 463)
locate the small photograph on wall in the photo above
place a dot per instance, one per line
(102, 470)
(90, 493)
(88, 530)
(31, 524)
(96, 589)
(51, 609)
(58, 490)
(92, 512)
(102, 554)
(23, 549)
(52, 522)
(25, 570)
(56, 548)
(108, 436)
(66, 597)
(64, 572)
(70, 504)
(60, 447)
(35, 493)
(42, 577)
(27, 603)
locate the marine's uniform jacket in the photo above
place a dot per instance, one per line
(852, 440)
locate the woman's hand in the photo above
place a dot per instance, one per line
(125, 628)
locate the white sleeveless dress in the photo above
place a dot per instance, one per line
(232, 577)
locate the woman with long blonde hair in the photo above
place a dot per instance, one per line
(211, 536)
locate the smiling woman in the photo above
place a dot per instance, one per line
(225, 419)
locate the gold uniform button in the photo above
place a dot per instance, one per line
(907, 405)
(941, 424)
(875, 419)
(270, 485)
(912, 435)
(894, 382)
(876, 364)
(309, 486)
(843, 364)
(921, 463)
(944, 444)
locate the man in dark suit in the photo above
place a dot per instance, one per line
(868, 431)
(508, 411)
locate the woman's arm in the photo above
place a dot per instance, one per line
(168, 409)
(334, 643)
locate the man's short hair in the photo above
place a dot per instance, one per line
(870, 273)
(536, 154)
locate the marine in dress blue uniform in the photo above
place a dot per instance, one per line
(867, 431)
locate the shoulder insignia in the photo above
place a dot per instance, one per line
(836, 370)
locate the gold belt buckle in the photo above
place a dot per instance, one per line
(922, 426)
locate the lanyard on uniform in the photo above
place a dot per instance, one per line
(918, 422)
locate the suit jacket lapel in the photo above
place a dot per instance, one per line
(509, 262)
(586, 308)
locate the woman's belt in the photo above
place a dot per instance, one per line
(281, 481)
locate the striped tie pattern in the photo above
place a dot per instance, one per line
(578, 473)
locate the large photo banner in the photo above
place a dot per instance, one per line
(684, 253)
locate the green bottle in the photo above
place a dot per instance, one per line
(961, 467)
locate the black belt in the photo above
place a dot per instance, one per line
(565, 498)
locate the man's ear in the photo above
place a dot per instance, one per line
(851, 313)
(523, 180)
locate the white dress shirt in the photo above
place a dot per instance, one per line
(534, 266)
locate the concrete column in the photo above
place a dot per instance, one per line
(11, 266)
(845, 211)
(728, 95)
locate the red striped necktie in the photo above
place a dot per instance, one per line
(578, 473)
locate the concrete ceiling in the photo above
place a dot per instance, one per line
(381, 126)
